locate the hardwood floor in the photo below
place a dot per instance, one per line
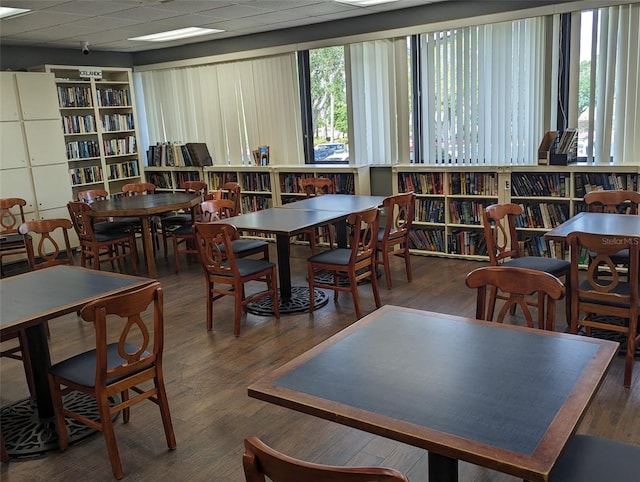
(207, 374)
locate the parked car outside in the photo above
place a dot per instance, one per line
(327, 149)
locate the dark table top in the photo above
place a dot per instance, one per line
(337, 202)
(597, 223)
(494, 395)
(30, 298)
(145, 205)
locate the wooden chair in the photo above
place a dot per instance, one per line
(226, 275)
(231, 190)
(178, 220)
(12, 215)
(49, 249)
(242, 247)
(499, 221)
(260, 461)
(518, 283)
(355, 263)
(317, 186)
(113, 369)
(616, 202)
(102, 224)
(594, 459)
(609, 296)
(142, 189)
(99, 248)
(393, 238)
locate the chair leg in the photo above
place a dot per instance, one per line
(310, 277)
(163, 403)
(109, 435)
(4, 455)
(176, 261)
(26, 361)
(491, 306)
(209, 306)
(61, 425)
(126, 412)
(387, 267)
(237, 309)
(355, 294)
(374, 286)
(407, 264)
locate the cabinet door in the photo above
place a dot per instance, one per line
(46, 142)
(8, 98)
(12, 150)
(17, 183)
(51, 185)
(38, 96)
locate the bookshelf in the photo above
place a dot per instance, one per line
(256, 183)
(449, 204)
(346, 179)
(99, 127)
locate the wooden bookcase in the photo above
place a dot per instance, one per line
(255, 184)
(100, 127)
(347, 180)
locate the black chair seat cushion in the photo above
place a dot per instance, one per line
(594, 459)
(240, 246)
(621, 288)
(339, 256)
(81, 368)
(185, 229)
(111, 236)
(11, 240)
(556, 267)
(112, 226)
(247, 266)
(177, 219)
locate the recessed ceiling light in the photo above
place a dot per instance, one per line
(176, 34)
(6, 12)
(365, 3)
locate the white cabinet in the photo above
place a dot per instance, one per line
(38, 98)
(13, 152)
(45, 141)
(17, 183)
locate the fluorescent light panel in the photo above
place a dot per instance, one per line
(365, 3)
(6, 12)
(176, 34)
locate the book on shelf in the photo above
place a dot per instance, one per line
(199, 154)
(559, 148)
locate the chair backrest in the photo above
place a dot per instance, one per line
(91, 195)
(216, 209)
(609, 293)
(216, 250)
(49, 249)
(140, 342)
(12, 211)
(499, 221)
(364, 238)
(231, 190)
(316, 186)
(137, 188)
(619, 201)
(195, 187)
(400, 210)
(518, 283)
(260, 460)
(82, 221)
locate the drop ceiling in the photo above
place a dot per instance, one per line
(107, 25)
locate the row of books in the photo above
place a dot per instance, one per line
(176, 154)
(542, 215)
(261, 156)
(110, 97)
(467, 243)
(86, 175)
(122, 170)
(254, 203)
(78, 124)
(161, 180)
(551, 184)
(473, 183)
(82, 149)
(117, 122)
(565, 142)
(342, 183)
(218, 179)
(587, 182)
(119, 146)
(427, 240)
(430, 210)
(75, 96)
(421, 182)
(256, 181)
(466, 212)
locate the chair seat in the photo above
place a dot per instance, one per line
(248, 266)
(183, 218)
(111, 226)
(81, 369)
(621, 288)
(556, 267)
(594, 459)
(338, 256)
(241, 246)
(110, 236)
(11, 241)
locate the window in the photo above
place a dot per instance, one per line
(607, 92)
(482, 93)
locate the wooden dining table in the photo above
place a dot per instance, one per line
(292, 219)
(145, 206)
(27, 301)
(500, 396)
(605, 224)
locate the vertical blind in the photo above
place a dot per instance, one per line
(483, 93)
(610, 127)
(233, 107)
(377, 71)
